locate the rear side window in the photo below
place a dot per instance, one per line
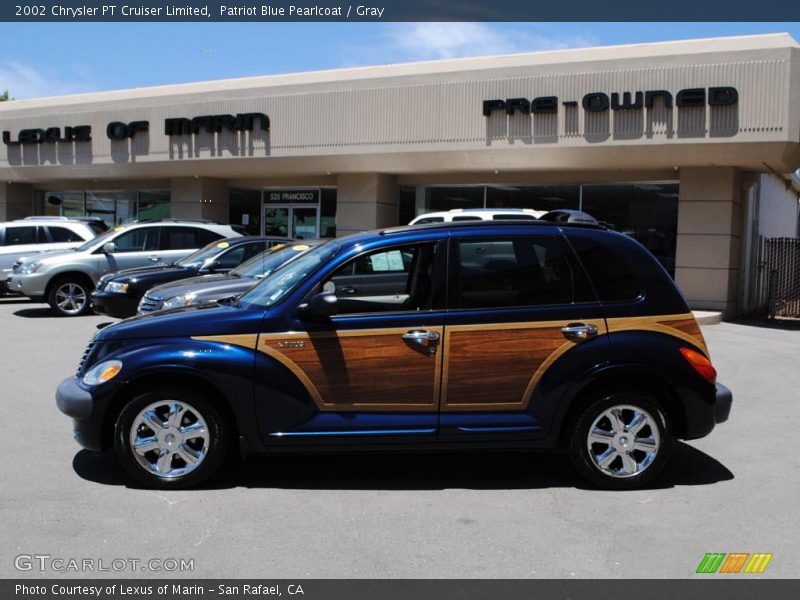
(19, 235)
(613, 278)
(62, 234)
(513, 271)
(466, 218)
(514, 217)
(232, 258)
(429, 220)
(205, 237)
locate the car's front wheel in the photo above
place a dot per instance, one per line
(171, 439)
(70, 297)
(621, 440)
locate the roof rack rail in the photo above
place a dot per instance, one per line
(493, 223)
(46, 218)
(172, 220)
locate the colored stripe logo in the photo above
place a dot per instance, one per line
(734, 563)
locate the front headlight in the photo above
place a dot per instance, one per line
(177, 301)
(102, 372)
(31, 267)
(116, 288)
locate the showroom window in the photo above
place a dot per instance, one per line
(647, 212)
(114, 208)
(296, 212)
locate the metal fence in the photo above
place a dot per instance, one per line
(779, 278)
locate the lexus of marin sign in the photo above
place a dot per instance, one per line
(118, 130)
(600, 101)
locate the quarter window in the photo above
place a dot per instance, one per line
(613, 278)
(513, 271)
(396, 280)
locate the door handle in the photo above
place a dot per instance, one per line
(347, 289)
(154, 258)
(423, 337)
(579, 331)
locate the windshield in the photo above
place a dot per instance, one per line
(285, 279)
(265, 263)
(196, 259)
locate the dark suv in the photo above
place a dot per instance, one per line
(448, 336)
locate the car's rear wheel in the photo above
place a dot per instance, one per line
(70, 297)
(170, 438)
(621, 441)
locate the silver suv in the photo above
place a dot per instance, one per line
(65, 279)
(32, 235)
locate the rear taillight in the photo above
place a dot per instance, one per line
(700, 364)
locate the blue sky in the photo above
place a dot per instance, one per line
(53, 59)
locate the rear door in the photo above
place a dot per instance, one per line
(517, 305)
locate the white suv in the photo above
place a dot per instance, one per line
(32, 235)
(65, 279)
(478, 214)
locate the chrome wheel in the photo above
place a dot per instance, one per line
(169, 438)
(71, 298)
(623, 441)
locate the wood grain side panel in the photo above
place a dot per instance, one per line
(364, 370)
(497, 367)
(690, 328)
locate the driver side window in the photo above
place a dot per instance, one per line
(395, 280)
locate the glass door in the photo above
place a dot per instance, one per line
(291, 221)
(276, 221)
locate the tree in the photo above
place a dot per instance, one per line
(4, 97)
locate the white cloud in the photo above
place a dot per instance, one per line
(426, 41)
(23, 81)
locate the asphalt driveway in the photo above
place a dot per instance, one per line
(476, 515)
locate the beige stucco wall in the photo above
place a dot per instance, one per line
(16, 201)
(709, 237)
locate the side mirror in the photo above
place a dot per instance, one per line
(319, 307)
(109, 248)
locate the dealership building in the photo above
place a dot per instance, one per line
(688, 146)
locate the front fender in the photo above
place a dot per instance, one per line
(224, 369)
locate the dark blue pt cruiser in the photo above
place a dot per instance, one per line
(501, 335)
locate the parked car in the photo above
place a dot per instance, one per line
(33, 235)
(569, 215)
(66, 279)
(457, 215)
(514, 335)
(118, 294)
(211, 288)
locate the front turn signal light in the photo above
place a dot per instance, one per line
(105, 371)
(700, 364)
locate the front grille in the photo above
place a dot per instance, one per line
(149, 304)
(101, 285)
(82, 363)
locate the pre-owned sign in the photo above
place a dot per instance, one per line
(600, 101)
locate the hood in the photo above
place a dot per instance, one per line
(210, 319)
(151, 273)
(183, 286)
(50, 253)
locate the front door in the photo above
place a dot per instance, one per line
(296, 221)
(374, 369)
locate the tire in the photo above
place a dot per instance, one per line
(613, 458)
(70, 297)
(166, 446)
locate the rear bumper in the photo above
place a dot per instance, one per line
(119, 306)
(722, 403)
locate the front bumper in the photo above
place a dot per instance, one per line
(31, 285)
(119, 306)
(87, 409)
(722, 403)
